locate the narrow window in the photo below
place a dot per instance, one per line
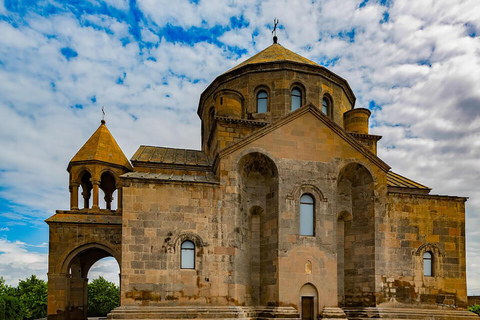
(188, 255)
(325, 105)
(427, 264)
(211, 116)
(307, 222)
(296, 99)
(262, 101)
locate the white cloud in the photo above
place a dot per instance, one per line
(119, 4)
(17, 263)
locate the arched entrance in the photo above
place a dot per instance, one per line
(76, 266)
(309, 302)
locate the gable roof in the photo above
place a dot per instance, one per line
(172, 156)
(275, 53)
(101, 146)
(398, 181)
(309, 108)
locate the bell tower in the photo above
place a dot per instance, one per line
(97, 166)
(91, 229)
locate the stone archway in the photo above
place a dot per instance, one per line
(74, 247)
(76, 268)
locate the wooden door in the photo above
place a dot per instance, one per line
(307, 308)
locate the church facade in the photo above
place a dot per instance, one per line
(285, 212)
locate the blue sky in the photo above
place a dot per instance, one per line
(415, 64)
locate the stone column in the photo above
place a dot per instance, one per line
(58, 293)
(74, 196)
(119, 197)
(96, 191)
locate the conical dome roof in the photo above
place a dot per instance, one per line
(102, 147)
(275, 53)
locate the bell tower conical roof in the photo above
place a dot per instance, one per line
(101, 146)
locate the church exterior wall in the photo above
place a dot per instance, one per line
(157, 218)
(419, 223)
(313, 168)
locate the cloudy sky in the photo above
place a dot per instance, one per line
(414, 64)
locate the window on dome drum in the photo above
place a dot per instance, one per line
(296, 99)
(307, 219)
(262, 101)
(187, 255)
(428, 264)
(325, 105)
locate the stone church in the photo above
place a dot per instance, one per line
(285, 212)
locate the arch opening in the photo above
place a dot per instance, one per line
(308, 302)
(92, 261)
(355, 237)
(259, 211)
(87, 186)
(108, 187)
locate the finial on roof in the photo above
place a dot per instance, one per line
(274, 31)
(103, 116)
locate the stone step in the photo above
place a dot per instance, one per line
(408, 313)
(203, 312)
(333, 313)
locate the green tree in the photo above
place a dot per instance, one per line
(33, 294)
(11, 307)
(103, 297)
(475, 308)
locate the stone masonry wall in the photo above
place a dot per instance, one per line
(309, 158)
(419, 223)
(69, 241)
(158, 216)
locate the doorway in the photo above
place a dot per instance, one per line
(307, 308)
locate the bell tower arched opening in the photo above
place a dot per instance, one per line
(108, 187)
(87, 186)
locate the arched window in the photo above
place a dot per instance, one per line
(296, 99)
(188, 255)
(307, 221)
(428, 264)
(262, 101)
(325, 105)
